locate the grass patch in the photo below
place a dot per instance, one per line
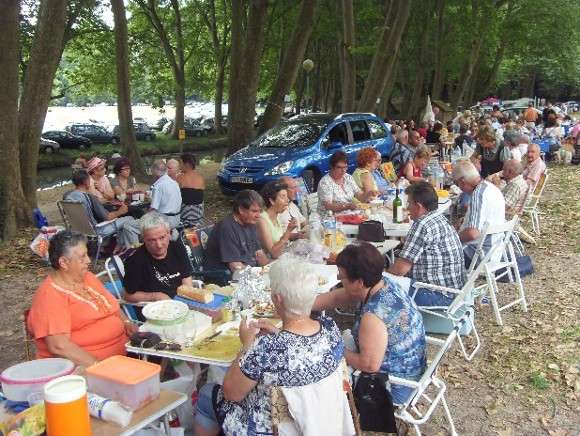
(571, 334)
(538, 381)
(161, 145)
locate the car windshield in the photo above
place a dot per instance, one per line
(301, 133)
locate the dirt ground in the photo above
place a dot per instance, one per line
(524, 381)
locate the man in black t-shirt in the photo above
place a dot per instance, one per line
(233, 243)
(159, 266)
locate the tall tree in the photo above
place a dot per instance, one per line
(126, 127)
(348, 66)
(40, 71)
(383, 64)
(174, 52)
(248, 29)
(12, 203)
(294, 54)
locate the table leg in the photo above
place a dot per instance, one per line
(166, 426)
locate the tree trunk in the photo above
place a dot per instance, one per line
(439, 70)
(13, 212)
(126, 128)
(347, 59)
(245, 70)
(44, 60)
(288, 71)
(179, 103)
(384, 59)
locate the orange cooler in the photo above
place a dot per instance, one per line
(131, 382)
(67, 410)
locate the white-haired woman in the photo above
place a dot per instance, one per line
(303, 352)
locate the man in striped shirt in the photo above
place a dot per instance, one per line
(487, 205)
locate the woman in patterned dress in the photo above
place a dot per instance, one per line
(388, 330)
(303, 352)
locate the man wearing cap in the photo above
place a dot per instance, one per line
(100, 186)
(165, 194)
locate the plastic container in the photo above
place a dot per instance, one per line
(19, 381)
(131, 382)
(66, 407)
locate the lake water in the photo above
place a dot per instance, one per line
(55, 177)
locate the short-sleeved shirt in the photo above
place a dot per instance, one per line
(93, 323)
(293, 211)
(400, 155)
(284, 359)
(100, 186)
(491, 159)
(434, 249)
(357, 176)
(533, 171)
(405, 355)
(95, 210)
(274, 227)
(145, 273)
(515, 193)
(231, 241)
(166, 196)
(330, 191)
(487, 205)
(130, 183)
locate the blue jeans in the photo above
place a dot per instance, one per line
(204, 412)
(399, 393)
(428, 297)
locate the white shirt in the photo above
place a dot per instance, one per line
(292, 211)
(166, 196)
(330, 191)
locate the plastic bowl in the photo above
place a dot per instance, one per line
(166, 312)
(23, 379)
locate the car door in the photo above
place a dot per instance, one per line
(361, 138)
(380, 137)
(336, 139)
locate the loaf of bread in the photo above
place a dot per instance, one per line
(201, 295)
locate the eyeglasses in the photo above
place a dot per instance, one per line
(341, 167)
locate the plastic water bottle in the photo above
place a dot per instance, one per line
(39, 219)
(329, 226)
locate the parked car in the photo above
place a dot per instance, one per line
(192, 128)
(301, 147)
(142, 132)
(67, 139)
(209, 123)
(47, 146)
(160, 123)
(97, 134)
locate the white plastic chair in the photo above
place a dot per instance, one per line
(532, 203)
(312, 202)
(429, 391)
(115, 270)
(503, 263)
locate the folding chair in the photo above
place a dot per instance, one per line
(429, 391)
(75, 218)
(111, 278)
(532, 203)
(460, 311)
(503, 263)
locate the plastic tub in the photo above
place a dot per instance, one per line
(131, 382)
(23, 379)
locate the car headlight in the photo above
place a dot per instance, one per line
(280, 168)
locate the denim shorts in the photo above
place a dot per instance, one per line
(204, 410)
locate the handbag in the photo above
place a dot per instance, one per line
(374, 403)
(371, 231)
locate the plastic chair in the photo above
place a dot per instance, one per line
(75, 218)
(503, 263)
(115, 271)
(532, 203)
(430, 390)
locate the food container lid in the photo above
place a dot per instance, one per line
(123, 370)
(166, 312)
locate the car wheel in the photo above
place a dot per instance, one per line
(48, 150)
(311, 178)
(114, 141)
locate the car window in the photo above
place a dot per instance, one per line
(337, 134)
(360, 131)
(290, 134)
(376, 129)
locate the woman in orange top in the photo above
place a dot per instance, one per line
(72, 314)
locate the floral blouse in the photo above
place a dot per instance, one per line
(285, 359)
(405, 355)
(329, 190)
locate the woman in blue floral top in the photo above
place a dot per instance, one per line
(388, 329)
(303, 352)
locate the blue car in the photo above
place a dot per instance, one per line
(301, 147)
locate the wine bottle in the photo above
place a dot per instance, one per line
(397, 209)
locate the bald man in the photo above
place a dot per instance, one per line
(516, 189)
(173, 168)
(535, 166)
(293, 211)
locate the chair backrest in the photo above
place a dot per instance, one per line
(535, 196)
(490, 230)
(312, 202)
(388, 171)
(195, 242)
(75, 217)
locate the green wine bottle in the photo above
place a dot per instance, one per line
(397, 208)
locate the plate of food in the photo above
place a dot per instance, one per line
(265, 310)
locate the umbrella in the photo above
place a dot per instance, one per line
(429, 116)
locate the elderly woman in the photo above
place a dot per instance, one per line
(192, 186)
(72, 314)
(488, 154)
(388, 330)
(337, 190)
(273, 237)
(100, 185)
(303, 352)
(413, 170)
(124, 183)
(367, 162)
(402, 151)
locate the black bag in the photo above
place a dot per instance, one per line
(371, 231)
(525, 266)
(374, 403)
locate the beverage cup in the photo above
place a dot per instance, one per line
(66, 407)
